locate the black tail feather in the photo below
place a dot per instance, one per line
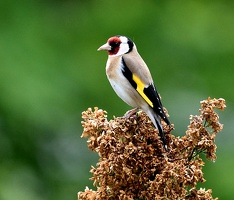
(161, 132)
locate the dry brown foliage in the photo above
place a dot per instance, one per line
(133, 164)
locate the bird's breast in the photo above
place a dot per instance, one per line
(120, 84)
(113, 66)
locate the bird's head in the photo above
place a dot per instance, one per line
(117, 45)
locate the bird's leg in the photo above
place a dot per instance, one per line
(129, 113)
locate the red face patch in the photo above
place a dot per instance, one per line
(114, 42)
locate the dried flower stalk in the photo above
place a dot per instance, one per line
(133, 164)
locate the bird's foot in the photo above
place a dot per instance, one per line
(129, 113)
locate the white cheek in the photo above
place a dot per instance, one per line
(124, 48)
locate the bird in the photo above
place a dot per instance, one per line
(131, 80)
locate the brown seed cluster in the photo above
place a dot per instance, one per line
(133, 164)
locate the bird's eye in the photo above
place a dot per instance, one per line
(115, 44)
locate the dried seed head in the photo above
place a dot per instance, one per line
(133, 163)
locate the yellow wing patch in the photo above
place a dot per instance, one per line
(140, 89)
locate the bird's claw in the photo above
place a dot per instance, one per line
(129, 113)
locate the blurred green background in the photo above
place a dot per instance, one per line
(50, 71)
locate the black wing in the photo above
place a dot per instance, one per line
(152, 94)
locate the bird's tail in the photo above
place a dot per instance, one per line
(157, 123)
(160, 130)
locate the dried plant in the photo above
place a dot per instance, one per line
(133, 164)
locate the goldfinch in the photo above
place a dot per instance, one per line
(130, 78)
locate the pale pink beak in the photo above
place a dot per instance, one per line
(106, 47)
